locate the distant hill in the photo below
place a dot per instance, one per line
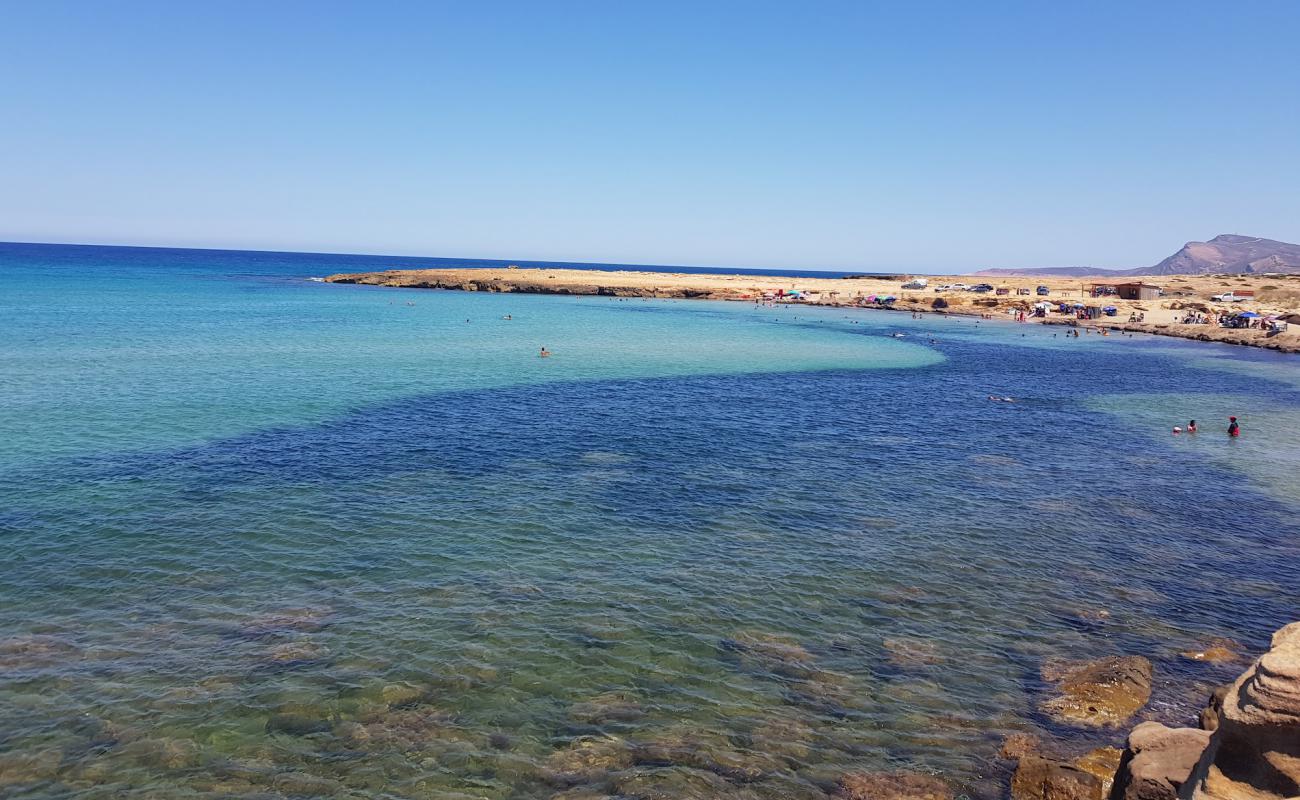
(1225, 253)
(1229, 253)
(1059, 272)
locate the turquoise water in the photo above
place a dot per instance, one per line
(271, 537)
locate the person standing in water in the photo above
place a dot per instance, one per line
(1234, 430)
(1191, 426)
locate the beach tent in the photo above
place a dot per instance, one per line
(1042, 305)
(1292, 318)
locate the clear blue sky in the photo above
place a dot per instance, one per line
(857, 135)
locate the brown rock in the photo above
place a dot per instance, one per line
(1255, 751)
(900, 785)
(1215, 651)
(27, 767)
(1038, 778)
(1099, 693)
(912, 652)
(1209, 718)
(1018, 745)
(606, 708)
(587, 760)
(1102, 762)
(1158, 761)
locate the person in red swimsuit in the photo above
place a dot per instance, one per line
(1234, 429)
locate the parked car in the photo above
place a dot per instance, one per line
(916, 283)
(982, 287)
(1233, 297)
(1043, 291)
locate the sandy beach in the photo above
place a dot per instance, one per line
(1270, 295)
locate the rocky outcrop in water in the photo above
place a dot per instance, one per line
(1098, 693)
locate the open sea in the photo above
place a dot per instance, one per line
(268, 537)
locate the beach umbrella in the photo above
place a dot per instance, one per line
(1078, 305)
(1042, 305)
(1248, 314)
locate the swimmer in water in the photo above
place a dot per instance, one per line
(1191, 426)
(544, 353)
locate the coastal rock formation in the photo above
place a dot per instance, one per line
(1098, 693)
(1255, 751)
(1159, 761)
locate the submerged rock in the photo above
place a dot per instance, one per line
(167, 754)
(303, 784)
(587, 760)
(1215, 651)
(1158, 761)
(784, 738)
(689, 746)
(22, 768)
(1255, 750)
(912, 652)
(1018, 745)
(297, 724)
(900, 785)
(671, 783)
(774, 652)
(606, 708)
(29, 652)
(284, 622)
(1100, 693)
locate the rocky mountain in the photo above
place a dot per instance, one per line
(1229, 253)
(1225, 253)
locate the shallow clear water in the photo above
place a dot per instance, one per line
(270, 537)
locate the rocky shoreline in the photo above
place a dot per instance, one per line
(833, 292)
(1246, 746)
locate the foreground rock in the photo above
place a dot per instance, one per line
(1088, 777)
(1100, 693)
(1158, 761)
(1255, 751)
